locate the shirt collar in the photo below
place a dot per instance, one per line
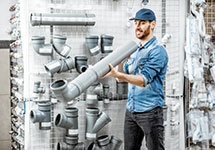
(146, 45)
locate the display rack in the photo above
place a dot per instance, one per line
(17, 80)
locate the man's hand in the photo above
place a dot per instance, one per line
(112, 73)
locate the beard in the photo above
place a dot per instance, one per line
(143, 34)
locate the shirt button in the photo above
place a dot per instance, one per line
(132, 87)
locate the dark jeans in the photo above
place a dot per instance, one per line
(148, 124)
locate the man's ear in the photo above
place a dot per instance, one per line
(153, 24)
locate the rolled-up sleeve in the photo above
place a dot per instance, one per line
(157, 60)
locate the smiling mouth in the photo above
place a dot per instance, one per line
(138, 32)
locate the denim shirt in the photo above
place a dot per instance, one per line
(150, 62)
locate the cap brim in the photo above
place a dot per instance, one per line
(132, 19)
(138, 19)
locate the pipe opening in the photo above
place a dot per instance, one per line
(58, 84)
(83, 69)
(32, 115)
(47, 69)
(57, 120)
(71, 108)
(102, 137)
(58, 146)
(90, 146)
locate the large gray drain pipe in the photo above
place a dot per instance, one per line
(60, 65)
(104, 143)
(60, 46)
(92, 74)
(69, 120)
(95, 121)
(42, 115)
(38, 43)
(83, 19)
(70, 143)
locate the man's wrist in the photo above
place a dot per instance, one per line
(119, 75)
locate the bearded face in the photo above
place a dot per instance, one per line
(142, 29)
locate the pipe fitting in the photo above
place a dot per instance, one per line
(104, 143)
(61, 90)
(107, 95)
(92, 94)
(60, 65)
(80, 19)
(70, 143)
(92, 44)
(106, 43)
(115, 143)
(69, 120)
(81, 63)
(92, 74)
(95, 121)
(38, 43)
(60, 46)
(37, 89)
(42, 115)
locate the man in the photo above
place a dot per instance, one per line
(144, 70)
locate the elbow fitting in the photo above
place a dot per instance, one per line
(69, 120)
(95, 121)
(42, 115)
(60, 65)
(81, 63)
(106, 43)
(37, 89)
(92, 44)
(38, 43)
(70, 143)
(60, 46)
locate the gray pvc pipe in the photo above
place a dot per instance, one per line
(42, 115)
(60, 46)
(60, 65)
(70, 143)
(95, 122)
(81, 63)
(69, 120)
(39, 46)
(37, 89)
(92, 74)
(81, 19)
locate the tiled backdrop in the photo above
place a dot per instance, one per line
(112, 19)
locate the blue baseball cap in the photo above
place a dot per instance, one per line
(144, 14)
